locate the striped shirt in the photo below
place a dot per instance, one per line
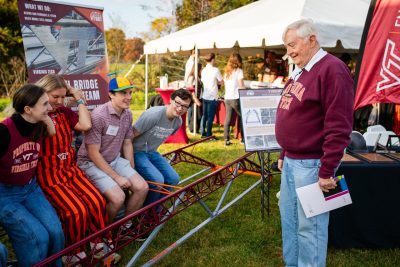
(109, 129)
(57, 157)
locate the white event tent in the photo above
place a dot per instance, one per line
(259, 25)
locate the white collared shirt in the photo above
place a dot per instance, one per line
(317, 57)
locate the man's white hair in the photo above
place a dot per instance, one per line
(304, 28)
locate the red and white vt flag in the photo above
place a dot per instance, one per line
(378, 68)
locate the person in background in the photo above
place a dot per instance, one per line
(149, 132)
(107, 153)
(233, 81)
(25, 214)
(58, 174)
(197, 98)
(210, 76)
(3, 255)
(313, 125)
(189, 70)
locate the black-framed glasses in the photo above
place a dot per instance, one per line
(180, 105)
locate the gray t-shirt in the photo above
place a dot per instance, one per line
(154, 127)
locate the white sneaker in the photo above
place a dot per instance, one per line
(101, 251)
(72, 260)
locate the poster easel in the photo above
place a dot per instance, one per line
(258, 108)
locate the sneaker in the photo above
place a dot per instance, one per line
(72, 260)
(228, 143)
(101, 251)
(127, 233)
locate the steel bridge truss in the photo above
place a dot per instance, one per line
(150, 219)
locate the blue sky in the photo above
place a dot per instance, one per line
(129, 14)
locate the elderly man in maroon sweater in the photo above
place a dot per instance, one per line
(313, 125)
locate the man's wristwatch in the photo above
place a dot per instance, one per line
(80, 101)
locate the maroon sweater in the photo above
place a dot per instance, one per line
(315, 115)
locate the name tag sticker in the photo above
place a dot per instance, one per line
(112, 130)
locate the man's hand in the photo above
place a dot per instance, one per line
(280, 164)
(122, 182)
(327, 184)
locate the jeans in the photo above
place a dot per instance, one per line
(3, 255)
(209, 109)
(230, 106)
(304, 239)
(155, 168)
(30, 222)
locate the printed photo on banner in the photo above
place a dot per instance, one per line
(67, 40)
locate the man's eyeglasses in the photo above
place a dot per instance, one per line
(179, 105)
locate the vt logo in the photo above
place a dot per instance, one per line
(63, 156)
(390, 71)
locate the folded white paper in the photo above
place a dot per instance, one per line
(315, 202)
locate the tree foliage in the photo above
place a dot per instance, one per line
(115, 39)
(191, 12)
(10, 31)
(12, 75)
(133, 49)
(159, 27)
(12, 61)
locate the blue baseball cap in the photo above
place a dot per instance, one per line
(119, 83)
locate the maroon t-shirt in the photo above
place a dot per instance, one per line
(315, 114)
(18, 164)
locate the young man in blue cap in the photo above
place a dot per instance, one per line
(101, 158)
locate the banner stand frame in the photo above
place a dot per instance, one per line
(264, 157)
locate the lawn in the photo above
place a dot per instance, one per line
(239, 237)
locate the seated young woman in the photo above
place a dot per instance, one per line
(28, 218)
(80, 206)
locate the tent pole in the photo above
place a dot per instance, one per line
(196, 76)
(146, 77)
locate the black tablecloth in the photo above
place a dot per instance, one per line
(373, 220)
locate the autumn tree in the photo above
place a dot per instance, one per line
(115, 39)
(10, 31)
(191, 12)
(159, 27)
(133, 49)
(12, 61)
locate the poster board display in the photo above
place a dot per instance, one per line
(66, 39)
(258, 108)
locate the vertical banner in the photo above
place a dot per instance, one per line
(67, 40)
(378, 68)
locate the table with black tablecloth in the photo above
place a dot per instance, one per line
(373, 220)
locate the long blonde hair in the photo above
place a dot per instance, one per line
(52, 82)
(234, 62)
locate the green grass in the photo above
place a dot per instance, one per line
(238, 237)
